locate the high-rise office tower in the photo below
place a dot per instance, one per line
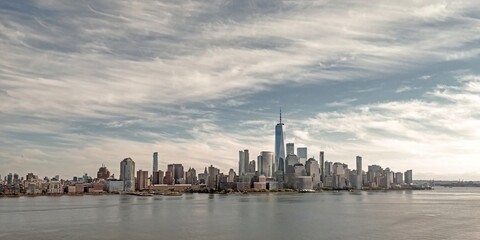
(177, 172)
(359, 179)
(259, 164)
(158, 177)
(191, 176)
(155, 162)
(10, 179)
(313, 170)
(328, 168)
(142, 180)
(241, 163)
(213, 174)
(280, 145)
(290, 149)
(399, 178)
(266, 166)
(251, 167)
(359, 165)
(246, 160)
(321, 162)
(302, 154)
(127, 174)
(408, 177)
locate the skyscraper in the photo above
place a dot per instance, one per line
(127, 174)
(155, 162)
(302, 154)
(142, 180)
(246, 160)
(251, 167)
(359, 180)
(321, 162)
(408, 177)
(290, 149)
(177, 173)
(359, 165)
(241, 163)
(265, 166)
(280, 145)
(313, 170)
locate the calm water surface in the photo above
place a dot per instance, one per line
(439, 214)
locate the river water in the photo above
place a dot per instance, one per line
(444, 213)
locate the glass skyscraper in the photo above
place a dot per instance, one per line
(280, 145)
(155, 162)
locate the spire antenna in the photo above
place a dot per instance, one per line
(280, 114)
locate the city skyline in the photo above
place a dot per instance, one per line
(90, 83)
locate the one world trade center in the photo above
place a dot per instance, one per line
(280, 147)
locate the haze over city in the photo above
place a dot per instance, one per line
(87, 83)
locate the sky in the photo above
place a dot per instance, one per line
(86, 83)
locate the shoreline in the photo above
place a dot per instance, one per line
(142, 194)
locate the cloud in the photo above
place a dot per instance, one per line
(430, 135)
(404, 89)
(343, 103)
(88, 80)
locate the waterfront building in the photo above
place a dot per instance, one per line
(261, 184)
(292, 173)
(265, 164)
(340, 175)
(191, 176)
(399, 178)
(291, 160)
(31, 177)
(251, 167)
(313, 170)
(127, 174)
(321, 162)
(303, 183)
(358, 178)
(177, 172)
(245, 182)
(79, 188)
(374, 171)
(290, 149)
(155, 162)
(103, 172)
(114, 186)
(408, 177)
(302, 154)
(328, 168)
(10, 179)
(243, 162)
(168, 179)
(213, 177)
(142, 180)
(157, 177)
(16, 179)
(231, 175)
(279, 163)
(203, 177)
(54, 187)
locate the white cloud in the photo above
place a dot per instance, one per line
(404, 89)
(430, 136)
(119, 65)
